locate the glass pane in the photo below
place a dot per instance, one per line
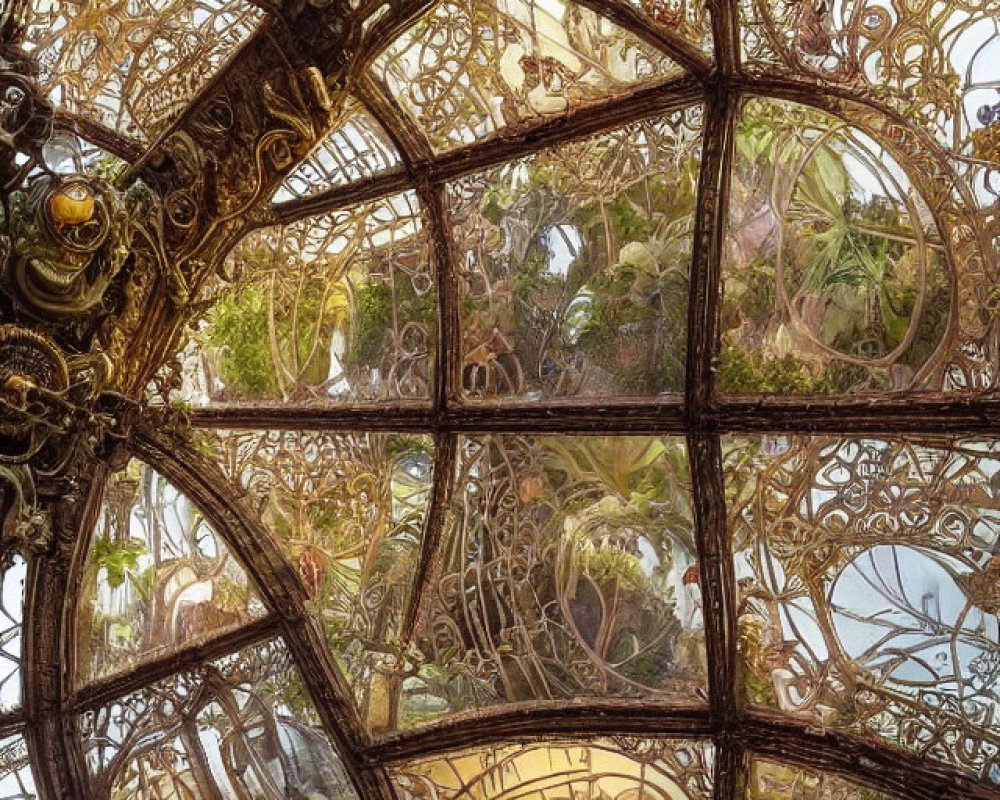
(241, 726)
(333, 310)
(574, 266)
(133, 66)
(868, 582)
(348, 512)
(567, 571)
(689, 19)
(834, 272)
(355, 150)
(11, 616)
(16, 780)
(770, 780)
(623, 768)
(157, 577)
(931, 62)
(469, 68)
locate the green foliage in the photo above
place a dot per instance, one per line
(239, 328)
(741, 371)
(614, 569)
(373, 318)
(119, 559)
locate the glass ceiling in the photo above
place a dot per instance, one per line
(500, 400)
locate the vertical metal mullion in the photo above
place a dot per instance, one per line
(726, 36)
(50, 730)
(704, 298)
(715, 561)
(446, 392)
(449, 357)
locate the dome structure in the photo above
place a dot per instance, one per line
(499, 399)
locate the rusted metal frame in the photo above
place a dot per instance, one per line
(768, 734)
(109, 689)
(846, 416)
(706, 257)
(125, 147)
(507, 145)
(867, 760)
(851, 416)
(207, 486)
(625, 16)
(428, 566)
(447, 373)
(715, 563)
(11, 722)
(718, 584)
(448, 357)
(809, 92)
(541, 721)
(731, 766)
(51, 734)
(726, 36)
(248, 46)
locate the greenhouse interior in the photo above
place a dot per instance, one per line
(499, 399)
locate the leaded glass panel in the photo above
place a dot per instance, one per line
(157, 577)
(621, 768)
(241, 726)
(567, 571)
(348, 512)
(868, 583)
(574, 266)
(471, 68)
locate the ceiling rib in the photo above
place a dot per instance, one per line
(109, 689)
(508, 144)
(207, 486)
(545, 720)
(715, 561)
(726, 36)
(399, 126)
(125, 147)
(888, 415)
(767, 734)
(677, 47)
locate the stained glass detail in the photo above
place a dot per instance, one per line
(16, 780)
(157, 577)
(868, 587)
(348, 512)
(931, 62)
(770, 780)
(241, 726)
(11, 616)
(360, 148)
(333, 310)
(470, 68)
(574, 266)
(567, 571)
(133, 66)
(622, 768)
(835, 276)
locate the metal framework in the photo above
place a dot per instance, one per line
(212, 175)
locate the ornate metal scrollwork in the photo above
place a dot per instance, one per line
(64, 240)
(69, 239)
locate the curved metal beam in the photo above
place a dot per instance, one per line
(211, 490)
(508, 144)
